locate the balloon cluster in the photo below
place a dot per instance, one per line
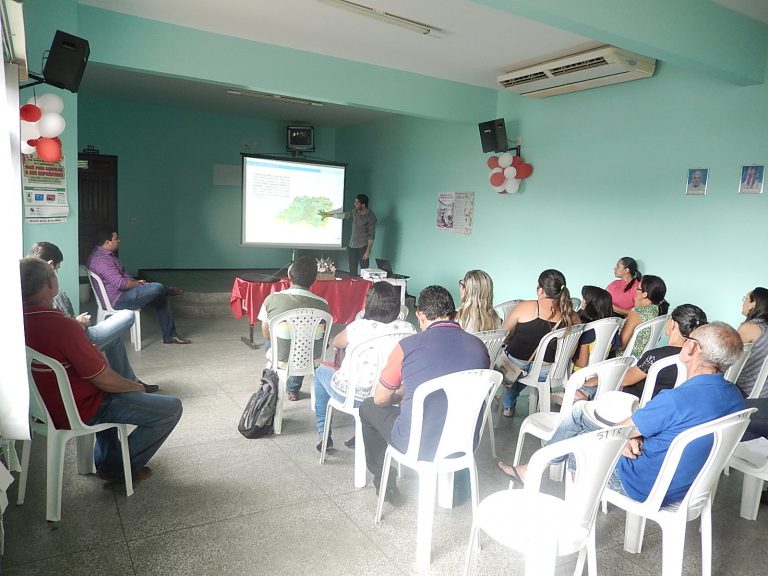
(507, 170)
(41, 124)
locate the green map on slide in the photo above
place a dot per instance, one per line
(304, 209)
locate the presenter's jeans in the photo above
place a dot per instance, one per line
(107, 335)
(154, 415)
(152, 294)
(356, 259)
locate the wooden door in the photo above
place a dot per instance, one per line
(97, 192)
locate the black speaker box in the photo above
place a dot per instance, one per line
(493, 135)
(66, 61)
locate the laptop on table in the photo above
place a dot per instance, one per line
(386, 265)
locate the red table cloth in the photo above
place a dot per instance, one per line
(346, 297)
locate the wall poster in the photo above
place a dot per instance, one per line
(44, 185)
(454, 212)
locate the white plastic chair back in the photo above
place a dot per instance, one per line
(302, 326)
(41, 423)
(466, 392)
(576, 304)
(726, 433)
(544, 526)
(732, 374)
(755, 473)
(609, 373)
(493, 340)
(559, 372)
(104, 309)
(366, 361)
(543, 424)
(605, 332)
(757, 389)
(656, 326)
(505, 308)
(653, 374)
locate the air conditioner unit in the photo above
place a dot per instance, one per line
(599, 67)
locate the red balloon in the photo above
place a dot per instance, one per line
(32, 142)
(523, 171)
(516, 161)
(57, 140)
(497, 178)
(30, 113)
(493, 162)
(48, 150)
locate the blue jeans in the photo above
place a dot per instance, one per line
(323, 393)
(107, 335)
(155, 416)
(512, 392)
(293, 384)
(577, 424)
(152, 294)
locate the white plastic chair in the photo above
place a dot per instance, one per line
(367, 359)
(543, 526)
(656, 326)
(104, 309)
(605, 332)
(576, 304)
(539, 394)
(493, 340)
(757, 389)
(752, 485)
(543, 424)
(726, 433)
(302, 326)
(41, 423)
(466, 391)
(653, 374)
(732, 374)
(505, 308)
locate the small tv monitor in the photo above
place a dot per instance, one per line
(301, 138)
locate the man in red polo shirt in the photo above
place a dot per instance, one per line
(100, 393)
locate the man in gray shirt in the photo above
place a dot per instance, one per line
(363, 232)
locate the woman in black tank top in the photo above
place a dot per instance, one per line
(529, 322)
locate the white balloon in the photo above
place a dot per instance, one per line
(29, 131)
(26, 148)
(512, 186)
(505, 159)
(510, 172)
(500, 189)
(51, 125)
(49, 103)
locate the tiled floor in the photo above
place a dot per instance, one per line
(220, 504)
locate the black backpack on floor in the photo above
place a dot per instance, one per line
(259, 414)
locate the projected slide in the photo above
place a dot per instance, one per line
(281, 199)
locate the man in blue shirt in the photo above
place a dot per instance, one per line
(441, 348)
(707, 353)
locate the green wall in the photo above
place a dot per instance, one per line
(170, 213)
(41, 23)
(610, 169)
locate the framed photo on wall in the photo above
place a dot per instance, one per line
(696, 184)
(752, 177)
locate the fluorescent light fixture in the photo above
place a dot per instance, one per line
(14, 42)
(381, 15)
(274, 97)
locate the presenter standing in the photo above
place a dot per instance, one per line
(363, 232)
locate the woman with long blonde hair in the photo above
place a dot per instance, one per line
(476, 313)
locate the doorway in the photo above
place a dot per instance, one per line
(97, 203)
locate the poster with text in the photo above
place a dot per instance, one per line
(44, 186)
(454, 212)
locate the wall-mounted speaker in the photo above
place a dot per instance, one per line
(66, 61)
(493, 135)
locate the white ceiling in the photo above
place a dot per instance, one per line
(476, 44)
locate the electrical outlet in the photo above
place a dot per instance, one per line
(133, 221)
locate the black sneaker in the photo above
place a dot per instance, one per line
(149, 388)
(319, 445)
(350, 443)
